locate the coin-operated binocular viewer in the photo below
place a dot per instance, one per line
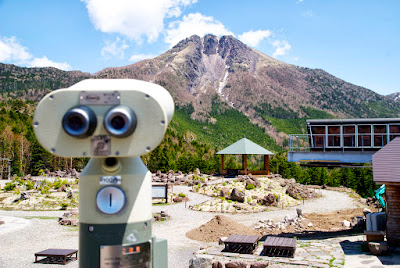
(114, 122)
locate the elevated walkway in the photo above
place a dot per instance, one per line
(303, 148)
(331, 156)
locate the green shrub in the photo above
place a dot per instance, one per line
(229, 201)
(181, 195)
(29, 185)
(250, 186)
(64, 205)
(9, 186)
(44, 189)
(57, 183)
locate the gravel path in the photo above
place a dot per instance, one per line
(32, 233)
(181, 248)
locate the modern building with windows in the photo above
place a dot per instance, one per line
(342, 140)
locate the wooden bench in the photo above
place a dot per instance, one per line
(56, 256)
(241, 243)
(275, 246)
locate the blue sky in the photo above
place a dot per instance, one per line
(358, 41)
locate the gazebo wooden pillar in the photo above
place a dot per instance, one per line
(266, 163)
(244, 163)
(222, 163)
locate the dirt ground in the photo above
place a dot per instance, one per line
(219, 226)
(321, 223)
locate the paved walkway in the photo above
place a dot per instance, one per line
(340, 252)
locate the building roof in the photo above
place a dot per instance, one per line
(245, 146)
(385, 162)
(352, 121)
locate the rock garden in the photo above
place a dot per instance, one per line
(40, 193)
(252, 194)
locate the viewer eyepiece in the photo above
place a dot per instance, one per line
(120, 121)
(79, 122)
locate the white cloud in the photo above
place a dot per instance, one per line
(45, 62)
(114, 49)
(281, 47)
(139, 57)
(133, 18)
(194, 23)
(299, 2)
(253, 38)
(309, 13)
(11, 51)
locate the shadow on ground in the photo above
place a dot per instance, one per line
(360, 248)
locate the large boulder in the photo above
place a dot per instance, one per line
(217, 264)
(237, 195)
(201, 261)
(253, 181)
(259, 264)
(235, 264)
(268, 200)
(378, 248)
(292, 191)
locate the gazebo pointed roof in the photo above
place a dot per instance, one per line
(245, 146)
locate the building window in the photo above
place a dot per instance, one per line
(394, 131)
(380, 135)
(318, 136)
(349, 136)
(334, 136)
(364, 136)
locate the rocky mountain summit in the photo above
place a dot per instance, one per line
(210, 75)
(395, 96)
(197, 69)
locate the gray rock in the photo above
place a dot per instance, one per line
(224, 192)
(201, 261)
(268, 200)
(177, 199)
(299, 212)
(217, 264)
(24, 196)
(259, 264)
(210, 44)
(237, 195)
(378, 248)
(236, 264)
(70, 195)
(346, 224)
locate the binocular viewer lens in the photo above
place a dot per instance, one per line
(120, 121)
(81, 121)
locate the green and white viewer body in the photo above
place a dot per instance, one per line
(113, 122)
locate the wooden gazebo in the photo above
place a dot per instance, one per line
(386, 170)
(245, 147)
